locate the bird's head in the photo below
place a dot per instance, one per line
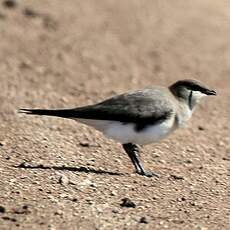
(190, 91)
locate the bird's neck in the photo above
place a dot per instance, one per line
(184, 112)
(188, 99)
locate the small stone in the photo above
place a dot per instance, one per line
(93, 185)
(201, 228)
(84, 144)
(30, 13)
(22, 210)
(226, 158)
(221, 143)
(2, 209)
(144, 220)
(177, 177)
(181, 199)
(126, 202)
(63, 195)
(113, 193)
(177, 221)
(64, 180)
(115, 210)
(193, 203)
(89, 201)
(201, 128)
(155, 197)
(10, 3)
(9, 218)
(99, 210)
(188, 161)
(72, 182)
(51, 227)
(59, 213)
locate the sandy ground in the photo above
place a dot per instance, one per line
(59, 174)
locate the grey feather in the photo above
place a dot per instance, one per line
(142, 107)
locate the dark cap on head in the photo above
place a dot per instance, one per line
(191, 85)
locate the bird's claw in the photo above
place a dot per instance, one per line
(148, 174)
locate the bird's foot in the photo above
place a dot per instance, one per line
(148, 174)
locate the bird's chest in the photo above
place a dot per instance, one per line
(183, 116)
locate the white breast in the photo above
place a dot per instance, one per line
(126, 133)
(183, 115)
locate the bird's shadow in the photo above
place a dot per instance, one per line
(81, 169)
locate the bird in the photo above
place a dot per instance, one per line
(138, 117)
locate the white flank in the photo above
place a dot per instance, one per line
(126, 133)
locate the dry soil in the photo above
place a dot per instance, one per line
(59, 174)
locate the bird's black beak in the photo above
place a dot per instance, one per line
(210, 92)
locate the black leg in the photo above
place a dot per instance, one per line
(133, 152)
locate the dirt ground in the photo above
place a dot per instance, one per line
(59, 174)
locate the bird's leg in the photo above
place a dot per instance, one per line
(133, 152)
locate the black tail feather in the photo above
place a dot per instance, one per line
(66, 113)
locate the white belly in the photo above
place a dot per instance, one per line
(126, 133)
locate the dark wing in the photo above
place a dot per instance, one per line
(144, 107)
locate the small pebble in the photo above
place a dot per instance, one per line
(193, 203)
(84, 144)
(201, 128)
(22, 210)
(89, 201)
(144, 220)
(51, 227)
(188, 161)
(10, 3)
(181, 199)
(226, 158)
(58, 212)
(113, 193)
(9, 218)
(64, 180)
(30, 13)
(2, 209)
(115, 210)
(126, 202)
(177, 177)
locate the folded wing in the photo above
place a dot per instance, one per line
(141, 107)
